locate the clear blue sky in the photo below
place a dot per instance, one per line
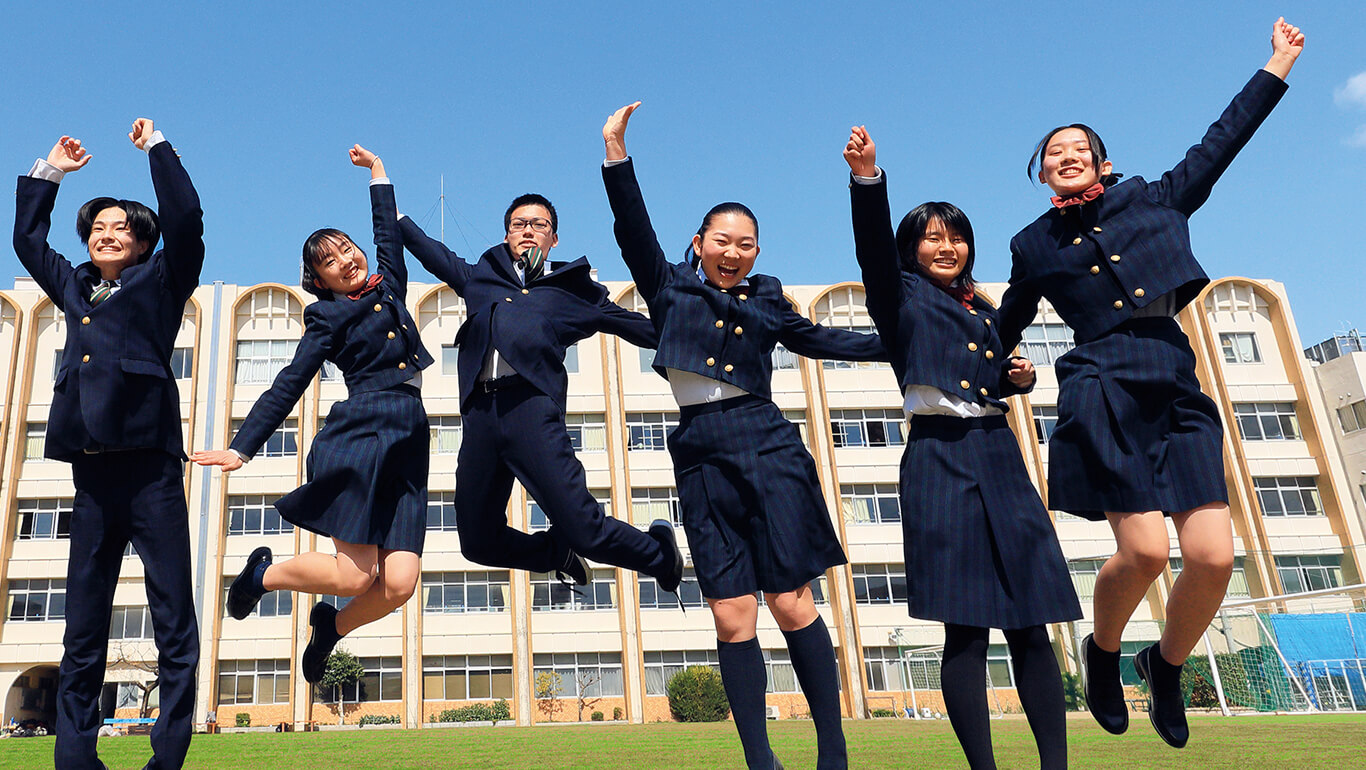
(743, 101)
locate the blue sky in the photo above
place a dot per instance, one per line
(743, 101)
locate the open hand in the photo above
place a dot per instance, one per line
(614, 131)
(228, 461)
(142, 131)
(1021, 373)
(68, 155)
(860, 153)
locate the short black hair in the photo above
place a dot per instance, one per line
(1098, 156)
(729, 207)
(315, 248)
(142, 221)
(912, 229)
(531, 199)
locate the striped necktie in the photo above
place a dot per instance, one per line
(103, 290)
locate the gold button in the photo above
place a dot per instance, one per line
(990, 355)
(85, 359)
(415, 356)
(739, 330)
(744, 297)
(378, 307)
(526, 291)
(1138, 292)
(987, 321)
(983, 391)
(508, 299)
(1095, 229)
(711, 362)
(404, 327)
(1076, 241)
(390, 296)
(965, 384)
(720, 323)
(972, 346)
(1114, 257)
(402, 365)
(392, 335)
(730, 368)
(1118, 304)
(85, 321)
(970, 310)
(1095, 269)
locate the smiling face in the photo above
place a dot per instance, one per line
(342, 266)
(112, 244)
(1068, 165)
(727, 248)
(942, 252)
(531, 227)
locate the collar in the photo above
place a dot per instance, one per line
(1086, 196)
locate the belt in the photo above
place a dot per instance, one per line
(100, 449)
(496, 384)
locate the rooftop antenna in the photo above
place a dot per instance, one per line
(442, 202)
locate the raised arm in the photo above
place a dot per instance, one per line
(440, 261)
(389, 260)
(1187, 186)
(34, 198)
(874, 240)
(635, 235)
(804, 338)
(178, 211)
(628, 325)
(1019, 304)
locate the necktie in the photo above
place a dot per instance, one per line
(370, 284)
(1085, 196)
(103, 291)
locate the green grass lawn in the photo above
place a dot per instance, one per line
(1334, 741)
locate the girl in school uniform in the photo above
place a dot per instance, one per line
(367, 468)
(981, 552)
(1136, 440)
(751, 503)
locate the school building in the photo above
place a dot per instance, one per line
(471, 634)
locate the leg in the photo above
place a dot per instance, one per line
(1206, 538)
(350, 573)
(743, 674)
(963, 676)
(813, 660)
(398, 574)
(1140, 556)
(1040, 687)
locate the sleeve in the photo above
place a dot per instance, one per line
(635, 234)
(628, 325)
(182, 222)
(271, 409)
(440, 261)
(804, 338)
(34, 200)
(875, 249)
(388, 241)
(1019, 304)
(1187, 186)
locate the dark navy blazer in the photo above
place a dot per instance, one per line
(530, 325)
(115, 387)
(727, 335)
(933, 339)
(372, 340)
(1099, 262)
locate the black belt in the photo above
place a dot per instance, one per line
(100, 449)
(496, 384)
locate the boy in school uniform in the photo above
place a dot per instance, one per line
(116, 418)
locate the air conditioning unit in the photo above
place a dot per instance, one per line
(772, 712)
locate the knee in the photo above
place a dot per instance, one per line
(1212, 562)
(355, 582)
(1147, 558)
(398, 588)
(789, 609)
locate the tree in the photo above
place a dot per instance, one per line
(697, 695)
(582, 681)
(549, 685)
(342, 669)
(129, 654)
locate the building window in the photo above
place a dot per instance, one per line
(781, 676)
(798, 417)
(1288, 495)
(548, 593)
(647, 359)
(1084, 572)
(867, 427)
(466, 677)
(1240, 347)
(650, 503)
(1309, 573)
(182, 363)
(450, 360)
(587, 432)
(1045, 343)
(1268, 421)
(37, 600)
(571, 359)
(887, 671)
(44, 519)
(1045, 422)
(130, 623)
(1352, 417)
(1237, 583)
(258, 361)
(590, 674)
(660, 667)
(330, 372)
(870, 503)
(817, 587)
(537, 520)
(879, 583)
(999, 670)
(35, 438)
(252, 515)
(652, 597)
(284, 442)
(273, 604)
(382, 681)
(441, 511)
(861, 329)
(783, 358)
(57, 362)
(459, 592)
(446, 434)
(253, 682)
(649, 430)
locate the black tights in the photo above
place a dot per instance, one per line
(964, 677)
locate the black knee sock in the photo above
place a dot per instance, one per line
(963, 676)
(813, 659)
(746, 681)
(1039, 685)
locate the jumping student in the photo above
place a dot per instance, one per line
(751, 503)
(367, 468)
(1136, 440)
(524, 311)
(116, 418)
(981, 552)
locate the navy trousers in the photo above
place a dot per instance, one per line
(136, 496)
(519, 431)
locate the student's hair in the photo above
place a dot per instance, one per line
(912, 229)
(729, 207)
(531, 199)
(319, 245)
(1092, 138)
(142, 221)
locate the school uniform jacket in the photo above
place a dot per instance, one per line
(373, 340)
(932, 338)
(1099, 262)
(530, 325)
(727, 335)
(114, 386)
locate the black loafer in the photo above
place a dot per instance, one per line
(663, 531)
(1167, 707)
(1103, 689)
(574, 570)
(242, 594)
(314, 660)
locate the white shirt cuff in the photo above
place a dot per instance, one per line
(153, 140)
(380, 180)
(44, 170)
(240, 456)
(874, 179)
(611, 163)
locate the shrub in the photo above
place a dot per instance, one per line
(697, 695)
(243, 719)
(379, 719)
(616, 713)
(478, 712)
(597, 716)
(1073, 694)
(883, 713)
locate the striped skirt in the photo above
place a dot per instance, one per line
(367, 473)
(980, 548)
(1135, 433)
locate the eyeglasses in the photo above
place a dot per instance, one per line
(537, 224)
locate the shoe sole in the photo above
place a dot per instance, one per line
(1086, 691)
(238, 596)
(1141, 665)
(313, 624)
